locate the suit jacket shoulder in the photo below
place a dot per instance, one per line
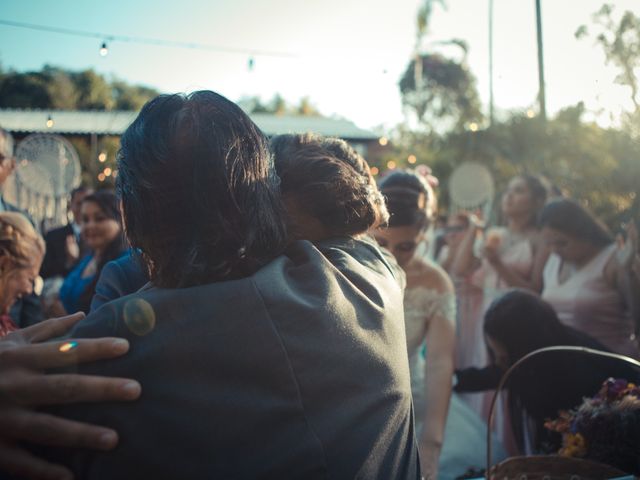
(118, 278)
(295, 372)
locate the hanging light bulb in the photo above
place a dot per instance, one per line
(49, 122)
(251, 63)
(103, 49)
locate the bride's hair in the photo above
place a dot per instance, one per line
(325, 181)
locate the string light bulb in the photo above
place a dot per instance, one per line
(103, 49)
(102, 157)
(49, 122)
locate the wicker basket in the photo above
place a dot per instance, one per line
(549, 467)
(552, 467)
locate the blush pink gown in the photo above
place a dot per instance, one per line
(587, 302)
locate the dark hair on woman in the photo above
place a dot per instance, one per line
(107, 202)
(523, 322)
(538, 186)
(199, 192)
(571, 218)
(330, 181)
(408, 196)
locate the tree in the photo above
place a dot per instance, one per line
(443, 93)
(279, 106)
(25, 90)
(56, 88)
(620, 41)
(440, 91)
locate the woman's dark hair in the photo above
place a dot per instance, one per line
(199, 192)
(523, 322)
(330, 181)
(538, 186)
(107, 202)
(408, 196)
(571, 218)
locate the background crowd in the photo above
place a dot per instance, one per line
(476, 299)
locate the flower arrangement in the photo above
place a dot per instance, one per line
(605, 427)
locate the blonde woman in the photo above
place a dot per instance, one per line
(21, 254)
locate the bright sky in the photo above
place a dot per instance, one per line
(346, 55)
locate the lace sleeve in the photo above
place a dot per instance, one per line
(443, 304)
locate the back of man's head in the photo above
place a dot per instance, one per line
(199, 192)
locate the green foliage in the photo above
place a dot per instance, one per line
(620, 41)
(279, 106)
(56, 88)
(442, 92)
(598, 166)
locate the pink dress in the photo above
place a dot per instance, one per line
(516, 252)
(586, 302)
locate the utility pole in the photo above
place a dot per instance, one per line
(541, 93)
(491, 104)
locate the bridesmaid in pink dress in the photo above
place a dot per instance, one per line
(511, 256)
(585, 280)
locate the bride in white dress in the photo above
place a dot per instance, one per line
(451, 439)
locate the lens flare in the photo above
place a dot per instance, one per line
(139, 316)
(67, 347)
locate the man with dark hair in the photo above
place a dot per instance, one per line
(259, 357)
(64, 244)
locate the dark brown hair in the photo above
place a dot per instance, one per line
(107, 202)
(330, 181)
(571, 218)
(199, 192)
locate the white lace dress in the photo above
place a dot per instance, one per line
(465, 433)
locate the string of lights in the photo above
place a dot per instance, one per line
(110, 37)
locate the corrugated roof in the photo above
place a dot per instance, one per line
(115, 123)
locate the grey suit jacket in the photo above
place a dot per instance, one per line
(118, 278)
(299, 371)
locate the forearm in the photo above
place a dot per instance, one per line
(478, 379)
(438, 394)
(514, 279)
(464, 259)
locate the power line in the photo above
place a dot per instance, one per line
(144, 40)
